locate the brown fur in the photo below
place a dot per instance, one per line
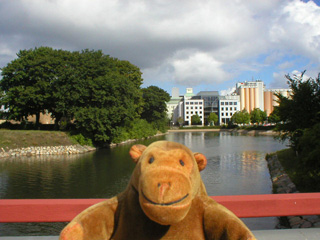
(165, 199)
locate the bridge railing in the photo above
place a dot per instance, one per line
(244, 206)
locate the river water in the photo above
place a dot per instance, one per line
(236, 166)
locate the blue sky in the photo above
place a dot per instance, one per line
(207, 45)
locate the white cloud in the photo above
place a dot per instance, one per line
(296, 29)
(191, 42)
(198, 67)
(227, 92)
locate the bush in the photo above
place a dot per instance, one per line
(79, 138)
(137, 129)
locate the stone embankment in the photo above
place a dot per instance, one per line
(283, 184)
(45, 150)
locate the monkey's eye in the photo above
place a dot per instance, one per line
(151, 160)
(181, 162)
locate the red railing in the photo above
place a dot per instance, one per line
(244, 206)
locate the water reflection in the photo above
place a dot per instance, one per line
(236, 166)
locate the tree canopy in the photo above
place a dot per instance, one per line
(300, 124)
(241, 117)
(258, 116)
(154, 105)
(301, 110)
(100, 94)
(195, 120)
(212, 118)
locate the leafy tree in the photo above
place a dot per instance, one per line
(27, 82)
(212, 118)
(301, 110)
(195, 120)
(241, 117)
(180, 121)
(258, 116)
(154, 106)
(108, 104)
(274, 116)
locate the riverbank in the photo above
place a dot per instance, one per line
(134, 140)
(242, 131)
(282, 184)
(15, 143)
(45, 150)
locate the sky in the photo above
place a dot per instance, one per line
(204, 44)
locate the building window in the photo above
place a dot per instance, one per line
(187, 112)
(191, 112)
(222, 103)
(222, 114)
(187, 103)
(187, 117)
(196, 107)
(226, 109)
(230, 103)
(200, 107)
(222, 109)
(226, 114)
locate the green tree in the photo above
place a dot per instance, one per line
(241, 117)
(180, 121)
(154, 106)
(195, 120)
(102, 94)
(108, 104)
(258, 116)
(27, 82)
(301, 110)
(274, 116)
(212, 118)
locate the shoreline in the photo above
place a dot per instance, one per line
(242, 131)
(282, 184)
(45, 150)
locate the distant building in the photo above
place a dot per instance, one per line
(228, 105)
(192, 106)
(251, 95)
(175, 106)
(210, 103)
(270, 99)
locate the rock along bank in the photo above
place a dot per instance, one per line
(45, 150)
(283, 184)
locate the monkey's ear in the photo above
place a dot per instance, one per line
(136, 151)
(201, 161)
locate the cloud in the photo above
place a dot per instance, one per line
(198, 67)
(228, 91)
(280, 80)
(296, 29)
(186, 42)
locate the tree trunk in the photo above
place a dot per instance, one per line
(38, 121)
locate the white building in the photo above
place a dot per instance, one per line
(228, 105)
(193, 107)
(175, 106)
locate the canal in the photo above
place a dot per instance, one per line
(236, 166)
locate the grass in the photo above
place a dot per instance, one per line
(10, 139)
(290, 164)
